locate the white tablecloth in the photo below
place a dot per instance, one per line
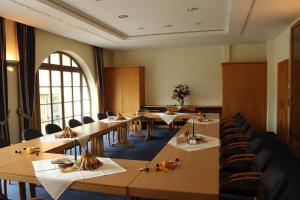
(211, 121)
(81, 138)
(55, 182)
(211, 143)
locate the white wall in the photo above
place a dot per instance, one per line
(199, 67)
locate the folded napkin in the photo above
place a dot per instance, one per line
(166, 118)
(55, 182)
(211, 142)
(210, 121)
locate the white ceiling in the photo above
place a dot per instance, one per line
(96, 22)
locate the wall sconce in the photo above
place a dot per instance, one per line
(11, 64)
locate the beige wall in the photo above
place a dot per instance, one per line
(12, 79)
(277, 50)
(248, 52)
(47, 43)
(199, 67)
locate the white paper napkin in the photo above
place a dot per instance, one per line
(167, 118)
(55, 182)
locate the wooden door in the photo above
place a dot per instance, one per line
(113, 90)
(245, 90)
(282, 101)
(131, 96)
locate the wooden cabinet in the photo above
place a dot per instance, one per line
(124, 88)
(245, 90)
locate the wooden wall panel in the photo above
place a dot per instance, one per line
(245, 90)
(282, 101)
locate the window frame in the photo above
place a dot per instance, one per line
(63, 68)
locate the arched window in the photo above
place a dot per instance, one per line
(63, 91)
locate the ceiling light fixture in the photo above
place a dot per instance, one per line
(168, 26)
(123, 16)
(192, 9)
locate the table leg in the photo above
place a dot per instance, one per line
(22, 191)
(149, 129)
(137, 129)
(123, 137)
(32, 190)
(97, 145)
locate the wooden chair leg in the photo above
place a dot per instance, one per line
(1, 186)
(113, 136)
(22, 191)
(32, 190)
(5, 187)
(108, 137)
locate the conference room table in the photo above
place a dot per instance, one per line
(197, 178)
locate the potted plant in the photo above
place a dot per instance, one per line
(180, 92)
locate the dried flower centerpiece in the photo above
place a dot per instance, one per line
(180, 92)
(66, 133)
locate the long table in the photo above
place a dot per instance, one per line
(196, 179)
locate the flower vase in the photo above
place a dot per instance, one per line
(181, 102)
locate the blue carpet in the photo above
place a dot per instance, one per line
(142, 150)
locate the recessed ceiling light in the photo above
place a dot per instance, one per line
(192, 9)
(168, 25)
(141, 28)
(123, 16)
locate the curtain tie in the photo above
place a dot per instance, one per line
(4, 122)
(24, 115)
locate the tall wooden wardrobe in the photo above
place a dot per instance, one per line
(245, 90)
(124, 89)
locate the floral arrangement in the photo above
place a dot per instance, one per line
(180, 92)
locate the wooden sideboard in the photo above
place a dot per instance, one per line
(191, 108)
(124, 89)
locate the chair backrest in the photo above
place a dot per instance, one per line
(245, 127)
(29, 134)
(144, 110)
(52, 128)
(240, 122)
(273, 183)
(87, 120)
(250, 134)
(261, 160)
(255, 145)
(162, 110)
(110, 113)
(74, 123)
(3, 143)
(183, 110)
(238, 115)
(101, 116)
